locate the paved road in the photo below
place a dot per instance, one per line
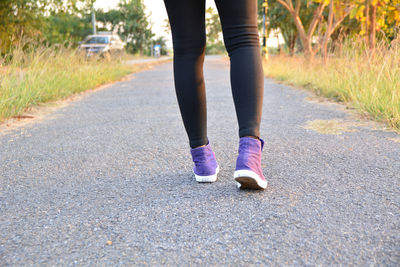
(115, 166)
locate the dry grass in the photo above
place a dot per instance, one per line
(368, 82)
(46, 74)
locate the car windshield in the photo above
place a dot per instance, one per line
(97, 40)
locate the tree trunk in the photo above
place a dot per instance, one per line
(328, 32)
(290, 38)
(305, 37)
(305, 40)
(366, 25)
(325, 51)
(372, 29)
(279, 44)
(292, 44)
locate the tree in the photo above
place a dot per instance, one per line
(66, 28)
(213, 29)
(338, 10)
(167, 27)
(131, 22)
(280, 20)
(213, 26)
(111, 19)
(305, 34)
(377, 15)
(33, 20)
(18, 18)
(136, 28)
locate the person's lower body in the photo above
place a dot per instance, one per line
(239, 25)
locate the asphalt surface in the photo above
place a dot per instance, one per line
(108, 181)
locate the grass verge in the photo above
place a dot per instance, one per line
(368, 82)
(47, 74)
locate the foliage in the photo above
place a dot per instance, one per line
(110, 20)
(167, 27)
(64, 28)
(135, 30)
(213, 30)
(213, 26)
(69, 21)
(328, 21)
(32, 19)
(387, 16)
(17, 18)
(131, 23)
(280, 19)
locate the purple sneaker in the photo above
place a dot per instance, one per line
(205, 165)
(248, 173)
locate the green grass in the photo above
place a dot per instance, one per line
(47, 74)
(368, 82)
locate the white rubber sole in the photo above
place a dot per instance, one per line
(207, 179)
(247, 179)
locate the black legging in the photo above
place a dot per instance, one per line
(239, 25)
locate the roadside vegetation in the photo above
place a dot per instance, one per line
(347, 50)
(39, 60)
(45, 74)
(369, 83)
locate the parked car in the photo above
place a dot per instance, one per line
(103, 43)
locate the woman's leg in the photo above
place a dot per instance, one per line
(239, 25)
(187, 20)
